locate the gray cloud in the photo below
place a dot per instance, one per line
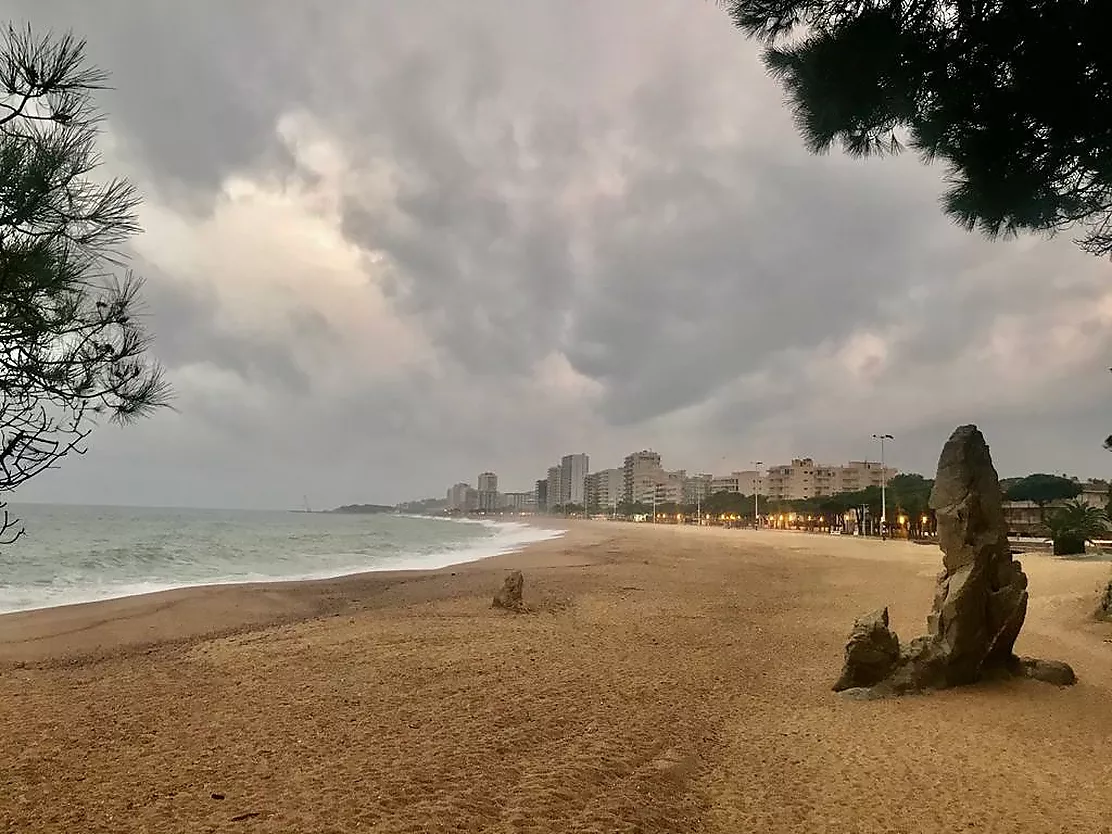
(188, 331)
(507, 231)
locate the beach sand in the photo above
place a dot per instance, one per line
(669, 680)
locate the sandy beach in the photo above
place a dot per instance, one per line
(669, 680)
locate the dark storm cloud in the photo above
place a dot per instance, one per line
(713, 255)
(198, 86)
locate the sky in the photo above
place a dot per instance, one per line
(388, 246)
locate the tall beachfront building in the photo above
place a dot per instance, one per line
(573, 475)
(642, 474)
(555, 488)
(603, 489)
(488, 492)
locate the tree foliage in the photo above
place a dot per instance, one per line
(1042, 489)
(1074, 524)
(1015, 98)
(733, 503)
(911, 493)
(71, 346)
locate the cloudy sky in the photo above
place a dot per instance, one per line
(389, 245)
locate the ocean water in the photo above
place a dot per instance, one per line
(79, 554)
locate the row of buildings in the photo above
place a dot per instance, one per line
(642, 479)
(464, 498)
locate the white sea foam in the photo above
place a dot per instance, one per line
(84, 554)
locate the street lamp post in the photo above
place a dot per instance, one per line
(756, 464)
(883, 484)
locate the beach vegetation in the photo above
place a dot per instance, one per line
(74, 348)
(1073, 525)
(1014, 99)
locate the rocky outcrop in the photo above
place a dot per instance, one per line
(509, 595)
(980, 596)
(1104, 608)
(872, 652)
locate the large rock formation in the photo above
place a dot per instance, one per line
(980, 596)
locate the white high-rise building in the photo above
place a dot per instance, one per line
(573, 475)
(488, 492)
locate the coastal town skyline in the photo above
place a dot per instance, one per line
(642, 478)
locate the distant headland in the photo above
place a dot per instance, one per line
(364, 508)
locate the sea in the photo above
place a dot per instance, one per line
(74, 554)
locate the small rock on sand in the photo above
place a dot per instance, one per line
(509, 595)
(1051, 671)
(872, 652)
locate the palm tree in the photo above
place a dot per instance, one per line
(1073, 524)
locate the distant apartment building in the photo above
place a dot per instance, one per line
(861, 474)
(696, 488)
(641, 475)
(671, 486)
(803, 478)
(573, 475)
(540, 495)
(745, 482)
(591, 489)
(488, 498)
(555, 488)
(603, 489)
(519, 501)
(463, 498)
(1095, 492)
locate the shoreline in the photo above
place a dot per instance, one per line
(99, 628)
(472, 551)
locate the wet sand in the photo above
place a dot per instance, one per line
(669, 680)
